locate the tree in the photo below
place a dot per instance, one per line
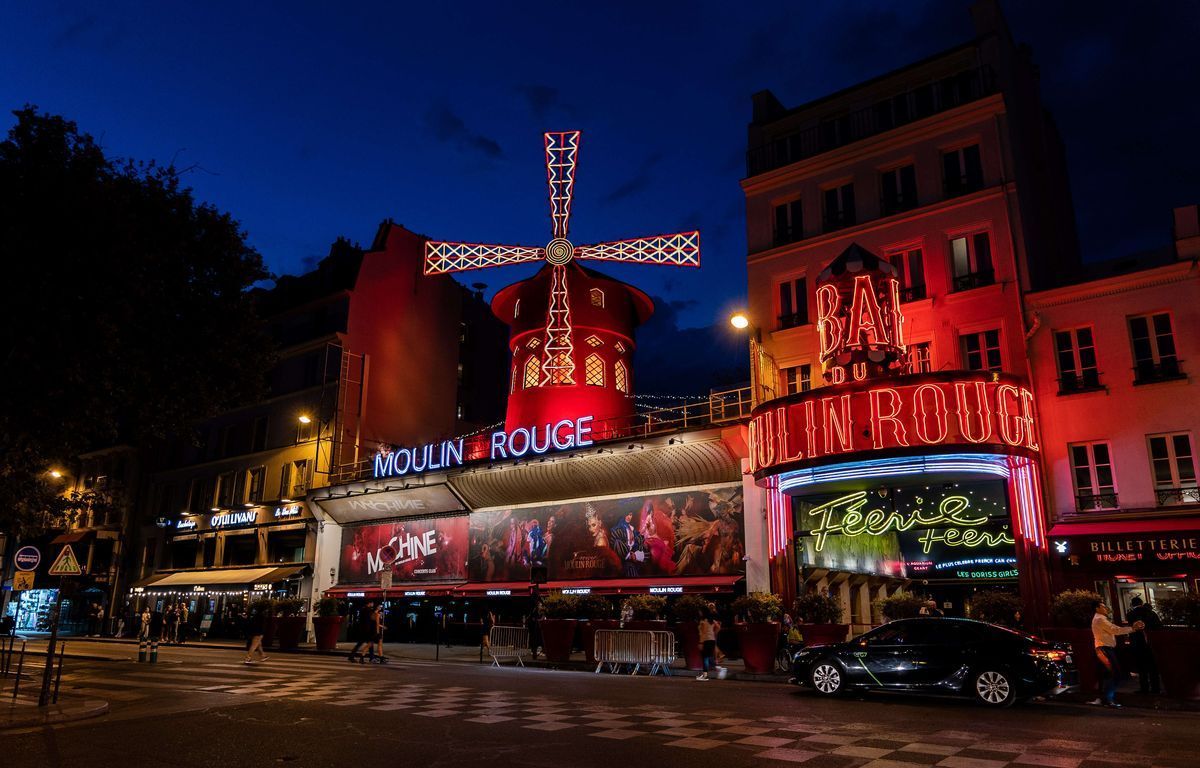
(126, 316)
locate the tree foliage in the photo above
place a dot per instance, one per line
(126, 317)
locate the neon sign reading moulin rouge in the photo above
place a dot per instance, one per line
(564, 435)
(844, 517)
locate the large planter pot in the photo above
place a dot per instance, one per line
(327, 629)
(759, 643)
(654, 625)
(289, 631)
(689, 643)
(1082, 651)
(557, 636)
(587, 631)
(1175, 651)
(823, 634)
(269, 631)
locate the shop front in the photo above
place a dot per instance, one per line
(1124, 559)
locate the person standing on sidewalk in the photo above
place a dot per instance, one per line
(256, 627)
(1104, 637)
(1143, 654)
(708, 644)
(183, 623)
(362, 632)
(170, 620)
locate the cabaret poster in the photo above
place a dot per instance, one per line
(429, 549)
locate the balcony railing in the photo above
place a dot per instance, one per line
(898, 204)
(835, 220)
(1149, 371)
(1086, 502)
(785, 235)
(793, 320)
(1072, 382)
(900, 109)
(1182, 495)
(912, 293)
(974, 280)
(728, 407)
(964, 184)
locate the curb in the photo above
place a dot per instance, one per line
(16, 718)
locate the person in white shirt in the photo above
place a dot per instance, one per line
(1104, 637)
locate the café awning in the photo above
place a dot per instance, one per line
(223, 577)
(72, 537)
(1121, 527)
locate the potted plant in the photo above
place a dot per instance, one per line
(820, 617)
(558, 625)
(327, 624)
(290, 622)
(900, 605)
(1175, 645)
(598, 613)
(1071, 615)
(759, 635)
(647, 612)
(688, 610)
(996, 607)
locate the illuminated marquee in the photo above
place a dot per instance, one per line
(859, 324)
(907, 413)
(560, 436)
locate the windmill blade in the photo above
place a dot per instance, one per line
(441, 258)
(562, 151)
(558, 364)
(681, 250)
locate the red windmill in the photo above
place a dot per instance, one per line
(563, 298)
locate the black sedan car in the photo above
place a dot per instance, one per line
(957, 657)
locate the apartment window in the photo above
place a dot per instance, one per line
(597, 297)
(285, 480)
(919, 359)
(899, 189)
(1174, 466)
(255, 479)
(1154, 356)
(225, 440)
(533, 372)
(1076, 354)
(259, 434)
(1092, 473)
(299, 477)
(621, 377)
(839, 207)
(789, 222)
(225, 489)
(971, 261)
(593, 371)
(981, 351)
(793, 303)
(963, 170)
(910, 269)
(797, 379)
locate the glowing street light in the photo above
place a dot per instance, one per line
(305, 419)
(739, 320)
(57, 475)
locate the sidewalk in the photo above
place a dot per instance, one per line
(25, 713)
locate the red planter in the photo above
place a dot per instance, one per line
(654, 625)
(587, 632)
(557, 636)
(823, 634)
(689, 643)
(1176, 652)
(269, 631)
(327, 630)
(1083, 653)
(759, 643)
(289, 631)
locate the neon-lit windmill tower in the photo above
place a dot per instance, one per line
(572, 327)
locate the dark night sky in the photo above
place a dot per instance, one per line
(311, 120)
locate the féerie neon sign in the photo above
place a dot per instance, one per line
(951, 524)
(514, 444)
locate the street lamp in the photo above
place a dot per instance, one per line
(740, 321)
(305, 419)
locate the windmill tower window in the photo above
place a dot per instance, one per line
(597, 297)
(533, 372)
(621, 377)
(594, 341)
(593, 371)
(534, 343)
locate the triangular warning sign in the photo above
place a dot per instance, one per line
(65, 564)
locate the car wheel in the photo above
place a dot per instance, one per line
(826, 678)
(994, 688)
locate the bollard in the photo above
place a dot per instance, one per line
(58, 677)
(142, 650)
(20, 666)
(153, 651)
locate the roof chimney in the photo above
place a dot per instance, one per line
(1187, 232)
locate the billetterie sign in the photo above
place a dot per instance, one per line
(560, 436)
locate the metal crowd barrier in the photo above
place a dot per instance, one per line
(632, 649)
(508, 643)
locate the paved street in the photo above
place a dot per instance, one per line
(202, 707)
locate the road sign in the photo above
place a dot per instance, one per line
(65, 564)
(385, 579)
(28, 558)
(22, 580)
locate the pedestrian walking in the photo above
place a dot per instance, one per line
(1143, 654)
(1104, 636)
(362, 632)
(256, 627)
(183, 625)
(170, 619)
(144, 624)
(489, 621)
(533, 625)
(708, 644)
(375, 653)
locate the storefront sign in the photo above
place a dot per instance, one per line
(414, 593)
(539, 439)
(672, 590)
(186, 524)
(417, 549)
(262, 588)
(233, 519)
(859, 324)
(950, 524)
(199, 589)
(498, 593)
(356, 594)
(290, 510)
(1160, 548)
(240, 518)
(577, 591)
(908, 412)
